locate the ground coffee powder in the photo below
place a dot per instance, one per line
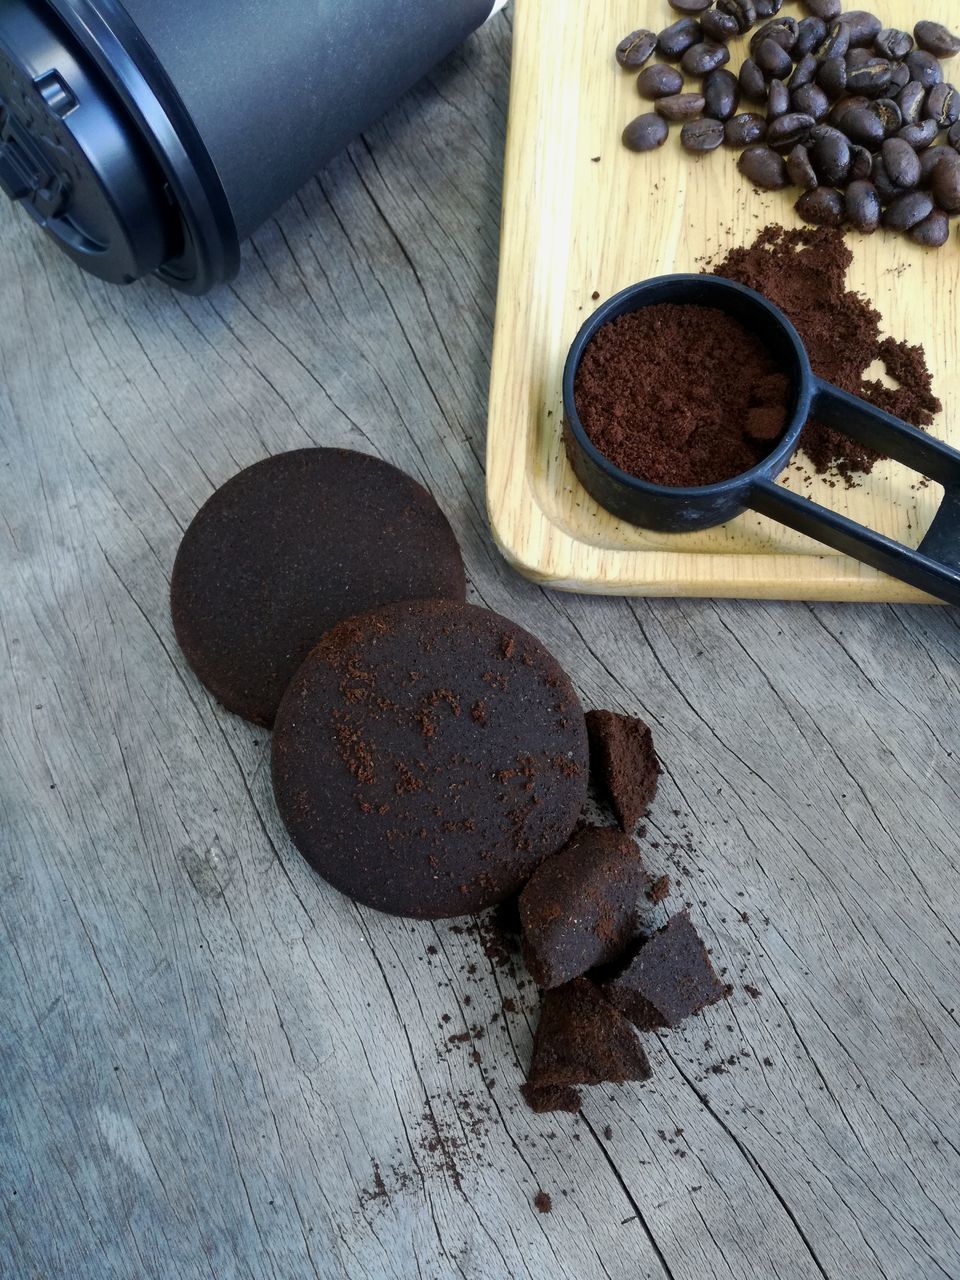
(681, 395)
(804, 273)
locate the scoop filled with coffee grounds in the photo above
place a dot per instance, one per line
(681, 395)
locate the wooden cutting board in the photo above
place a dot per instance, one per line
(574, 225)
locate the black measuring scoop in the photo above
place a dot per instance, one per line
(934, 567)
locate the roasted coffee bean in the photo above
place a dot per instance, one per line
(832, 77)
(924, 67)
(701, 135)
(680, 106)
(899, 76)
(744, 11)
(773, 61)
(945, 185)
(721, 93)
(953, 137)
(836, 44)
(933, 231)
(863, 207)
(825, 10)
(636, 49)
(659, 81)
(933, 37)
(846, 105)
(943, 105)
(805, 72)
(830, 157)
(893, 44)
(800, 169)
(890, 115)
(821, 131)
(887, 189)
(811, 33)
(675, 40)
(810, 100)
(859, 58)
(646, 133)
(821, 207)
(764, 168)
(871, 79)
(907, 210)
(920, 135)
(861, 162)
(912, 100)
(719, 26)
(778, 100)
(690, 6)
(786, 131)
(700, 59)
(929, 160)
(864, 126)
(901, 162)
(782, 31)
(745, 130)
(753, 86)
(767, 8)
(864, 27)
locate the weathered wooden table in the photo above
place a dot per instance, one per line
(214, 1066)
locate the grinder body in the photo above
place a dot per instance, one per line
(152, 136)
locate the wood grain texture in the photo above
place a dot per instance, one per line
(582, 215)
(205, 1051)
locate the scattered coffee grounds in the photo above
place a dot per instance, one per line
(552, 1098)
(804, 273)
(681, 395)
(670, 978)
(582, 1039)
(542, 1202)
(623, 764)
(394, 793)
(582, 907)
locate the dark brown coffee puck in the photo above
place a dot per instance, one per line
(285, 550)
(428, 756)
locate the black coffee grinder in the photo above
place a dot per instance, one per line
(152, 136)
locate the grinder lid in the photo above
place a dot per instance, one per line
(97, 146)
(69, 156)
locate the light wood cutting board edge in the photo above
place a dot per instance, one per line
(583, 550)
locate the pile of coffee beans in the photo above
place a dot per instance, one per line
(857, 115)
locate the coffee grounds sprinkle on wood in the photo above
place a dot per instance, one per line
(804, 272)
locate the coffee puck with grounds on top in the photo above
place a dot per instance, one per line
(289, 547)
(428, 756)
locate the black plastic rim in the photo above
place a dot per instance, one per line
(212, 251)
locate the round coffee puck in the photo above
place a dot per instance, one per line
(285, 550)
(427, 756)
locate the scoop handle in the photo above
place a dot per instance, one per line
(935, 566)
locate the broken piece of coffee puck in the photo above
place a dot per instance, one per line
(582, 906)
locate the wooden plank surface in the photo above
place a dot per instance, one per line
(575, 225)
(205, 1053)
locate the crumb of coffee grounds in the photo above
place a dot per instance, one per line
(804, 273)
(681, 395)
(552, 1098)
(542, 1202)
(659, 890)
(753, 992)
